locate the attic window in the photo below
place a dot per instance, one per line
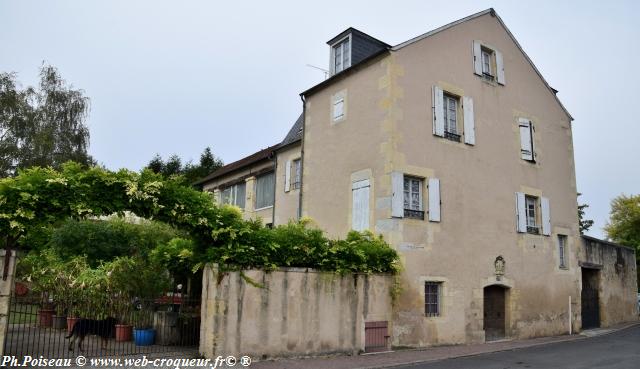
(341, 53)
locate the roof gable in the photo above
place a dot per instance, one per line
(493, 13)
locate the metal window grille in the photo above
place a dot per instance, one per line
(562, 242)
(432, 298)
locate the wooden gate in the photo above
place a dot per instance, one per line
(376, 335)
(590, 299)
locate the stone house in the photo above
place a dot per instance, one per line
(454, 147)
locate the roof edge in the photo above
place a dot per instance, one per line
(515, 41)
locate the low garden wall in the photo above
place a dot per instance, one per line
(289, 312)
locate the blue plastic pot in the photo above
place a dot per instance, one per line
(144, 337)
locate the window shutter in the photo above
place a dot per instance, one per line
(287, 176)
(526, 139)
(434, 199)
(477, 57)
(546, 216)
(338, 108)
(500, 67)
(438, 111)
(469, 123)
(521, 213)
(397, 197)
(360, 210)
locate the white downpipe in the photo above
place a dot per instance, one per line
(570, 325)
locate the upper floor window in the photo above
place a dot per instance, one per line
(341, 55)
(297, 174)
(531, 205)
(527, 151)
(265, 187)
(533, 214)
(488, 62)
(413, 198)
(234, 195)
(338, 106)
(451, 118)
(448, 111)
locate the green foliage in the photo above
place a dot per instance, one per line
(44, 127)
(585, 224)
(624, 222)
(296, 244)
(190, 172)
(40, 197)
(104, 240)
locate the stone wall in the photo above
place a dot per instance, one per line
(617, 279)
(289, 312)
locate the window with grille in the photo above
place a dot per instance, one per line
(413, 198)
(432, 298)
(297, 174)
(531, 204)
(562, 249)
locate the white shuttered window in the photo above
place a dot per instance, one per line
(360, 205)
(526, 139)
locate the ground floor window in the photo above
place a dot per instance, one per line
(432, 292)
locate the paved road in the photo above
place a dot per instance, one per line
(617, 350)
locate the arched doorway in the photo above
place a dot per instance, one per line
(495, 302)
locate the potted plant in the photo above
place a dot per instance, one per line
(40, 273)
(143, 333)
(124, 330)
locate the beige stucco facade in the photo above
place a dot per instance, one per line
(286, 199)
(388, 128)
(475, 248)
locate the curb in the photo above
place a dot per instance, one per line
(568, 338)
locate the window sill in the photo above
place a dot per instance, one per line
(264, 208)
(563, 267)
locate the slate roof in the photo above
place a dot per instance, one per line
(295, 133)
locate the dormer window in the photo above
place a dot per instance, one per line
(341, 55)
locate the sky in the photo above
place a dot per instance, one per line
(177, 76)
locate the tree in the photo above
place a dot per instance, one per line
(156, 164)
(624, 223)
(44, 127)
(190, 172)
(585, 224)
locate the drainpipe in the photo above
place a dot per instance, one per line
(304, 115)
(275, 177)
(570, 320)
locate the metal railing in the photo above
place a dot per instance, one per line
(414, 214)
(452, 136)
(533, 229)
(119, 327)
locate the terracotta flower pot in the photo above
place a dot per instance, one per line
(123, 332)
(45, 317)
(71, 321)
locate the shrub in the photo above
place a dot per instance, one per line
(104, 240)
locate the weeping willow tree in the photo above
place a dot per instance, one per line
(43, 126)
